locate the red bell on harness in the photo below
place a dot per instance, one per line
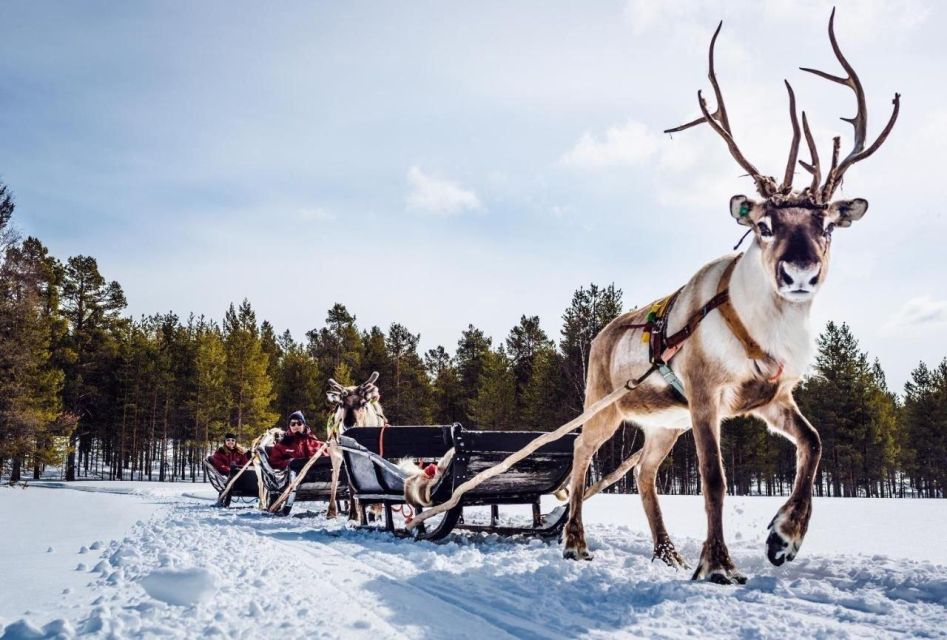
(430, 470)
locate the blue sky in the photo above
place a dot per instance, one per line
(442, 163)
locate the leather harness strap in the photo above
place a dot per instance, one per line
(663, 347)
(751, 346)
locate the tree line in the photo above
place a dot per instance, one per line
(92, 393)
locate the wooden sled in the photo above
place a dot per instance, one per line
(244, 487)
(315, 487)
(378, 480)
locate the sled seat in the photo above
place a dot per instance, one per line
(316, 486)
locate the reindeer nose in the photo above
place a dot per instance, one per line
(793, 275)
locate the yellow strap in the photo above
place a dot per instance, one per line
(656, 311)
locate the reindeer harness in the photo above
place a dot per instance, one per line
(663, 347)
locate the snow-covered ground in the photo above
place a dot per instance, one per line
(157, 560)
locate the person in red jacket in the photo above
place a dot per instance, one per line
(229, 455)
(297, 442)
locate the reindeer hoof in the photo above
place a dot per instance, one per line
(779, 548)
(576, 553)
(666, 553)
(720, 576)
(726, 577)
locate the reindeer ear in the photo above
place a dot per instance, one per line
(842, 213)
(745, 211)
(334, 397)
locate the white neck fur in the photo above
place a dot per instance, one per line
(779, 326)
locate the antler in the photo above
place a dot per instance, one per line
(859, 122)
(721, 124)
(786, 187)
(335, 386)
(812, 166)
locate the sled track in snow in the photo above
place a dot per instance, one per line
(500, 621)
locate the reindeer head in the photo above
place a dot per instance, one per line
(355, 404)
(793, 228)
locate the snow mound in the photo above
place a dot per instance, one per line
(24, 630)
(184, 588)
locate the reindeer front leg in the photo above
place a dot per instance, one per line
(789, 525)
(335, 455)
(715, 563)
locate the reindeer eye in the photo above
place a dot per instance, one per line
(765, 231)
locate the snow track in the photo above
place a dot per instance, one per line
(193, 570)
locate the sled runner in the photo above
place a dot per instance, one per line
(371, 454)
(316, 486)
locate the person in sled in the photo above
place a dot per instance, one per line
(229, 455)
(297, 443)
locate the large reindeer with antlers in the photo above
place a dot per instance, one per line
(746, 358)
(355, 406)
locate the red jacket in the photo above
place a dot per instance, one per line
(223, 458)
(293, 445)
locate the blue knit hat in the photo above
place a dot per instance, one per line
(298, 415)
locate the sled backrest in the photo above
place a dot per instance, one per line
(541, 473)
(404, 442)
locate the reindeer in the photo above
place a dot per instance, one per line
(743, 360)
(355, 406)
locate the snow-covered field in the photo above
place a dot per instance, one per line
(150, 560)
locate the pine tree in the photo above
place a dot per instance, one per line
(844, 401)
(30, 383)
(408, 398)
(494, 406)
(546, 399)
(339, 341)
(375, 357)
(297, 386)
(924, 423)
(591, 309)
(89, 352)
(470, 361)
(212, 398)
(251, 390)
(448, 394)
(524, 344)
(271, 347)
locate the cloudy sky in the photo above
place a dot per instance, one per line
(443, 163)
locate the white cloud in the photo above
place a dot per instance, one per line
(438, 196)
(921, 311)
(625, 145)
